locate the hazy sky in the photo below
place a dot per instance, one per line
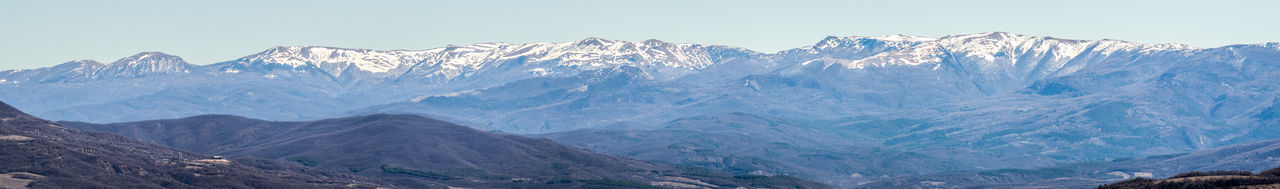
(40, 33)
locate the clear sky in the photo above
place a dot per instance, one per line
(40, 33)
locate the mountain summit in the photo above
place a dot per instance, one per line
(145, 64)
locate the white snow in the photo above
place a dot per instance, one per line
(929, 54)
(539, 72)
(591, 53)
(335, 60)
(582, 88)
(1120, 174)
(994, 52)
(900, 37)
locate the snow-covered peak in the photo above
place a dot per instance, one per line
(858, 43)
(590, 52)
(474, 47)
(149, 58)
(987, 35)
(596, 52)
(145, 63)
(1108, 46)
(86, 63)
(900, 37)
(595, 41)
(566, 58)
(80, 66)
(834, 49)
(337, 60)
(994, 52)
(992, 45)
(993, 42)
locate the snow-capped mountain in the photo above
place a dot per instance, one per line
(502, 60)
(139, 65)
(144, 64)
(79, 70)
(851, 48)
(333, 62)
(996, 54)
(1020, 56)
(448, 63)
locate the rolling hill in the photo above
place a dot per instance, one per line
(416, 151)
(37, 153)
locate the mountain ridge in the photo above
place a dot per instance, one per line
(380, 62)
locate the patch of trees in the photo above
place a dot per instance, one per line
(1198, 179)
(1213, 173)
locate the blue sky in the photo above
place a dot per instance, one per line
(44, 33)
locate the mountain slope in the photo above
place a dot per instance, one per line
(747, 143)
(1212, 179)
(336, 63)
(48, 155)
(1254, 156)
(410, 149)
(145, 64)
(849, 70)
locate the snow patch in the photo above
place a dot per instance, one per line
(933, 183)
(539, 72)
(582, 88)
(1120, 174)
(900, 37)
(335, 60)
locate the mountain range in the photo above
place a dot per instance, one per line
(971, 102)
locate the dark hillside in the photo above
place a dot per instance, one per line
(1212, 179)
(42, 154)
(411, 149)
